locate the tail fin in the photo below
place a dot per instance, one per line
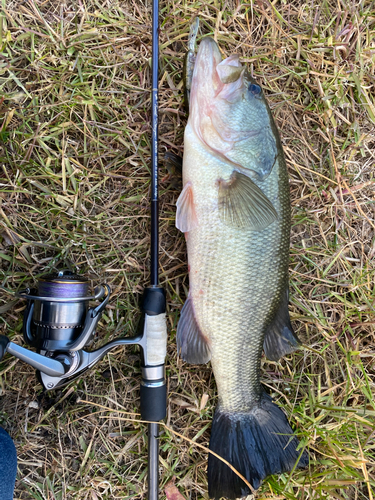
(257, 444)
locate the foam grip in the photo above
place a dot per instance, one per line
(153, 403)
(4, 341)
(154, 301)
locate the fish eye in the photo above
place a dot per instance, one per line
(254, 89)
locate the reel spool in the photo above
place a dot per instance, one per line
(58, 317)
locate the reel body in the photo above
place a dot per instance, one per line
(59, 323)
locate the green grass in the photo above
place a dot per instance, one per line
(74, 192)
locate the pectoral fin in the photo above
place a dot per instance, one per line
(280, 338)
(186, 217)
(243, 204)
(192, 345)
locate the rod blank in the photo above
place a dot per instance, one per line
(154, 147)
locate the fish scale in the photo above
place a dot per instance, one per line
(239, 260)
(235, 212)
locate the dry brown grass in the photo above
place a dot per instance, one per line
(74, 186)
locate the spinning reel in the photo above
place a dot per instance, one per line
(59, 324)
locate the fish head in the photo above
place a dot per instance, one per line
(229, 112)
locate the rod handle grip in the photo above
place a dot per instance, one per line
(154, 300)
(153, 402)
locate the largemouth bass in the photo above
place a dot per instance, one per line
(235, 212)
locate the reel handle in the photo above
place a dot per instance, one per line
(52, 367)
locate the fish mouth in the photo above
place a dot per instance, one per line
(206, 82)
(205, 85)
(212, 74)
(214, 80)
(218, 90)
(208, 58)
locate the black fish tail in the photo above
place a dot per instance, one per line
(256, 444)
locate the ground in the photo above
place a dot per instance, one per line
(74, 193)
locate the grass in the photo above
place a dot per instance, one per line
(74, 192)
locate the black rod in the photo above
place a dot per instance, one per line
(154, 147)
(153, 428)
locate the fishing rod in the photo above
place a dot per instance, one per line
(60, 324)
(157, 410)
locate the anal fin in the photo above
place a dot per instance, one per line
(280, 338)
(192, 345)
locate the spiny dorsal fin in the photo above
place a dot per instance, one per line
(243, 204)
(186, 217)
(192, 344)
(280, 338)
